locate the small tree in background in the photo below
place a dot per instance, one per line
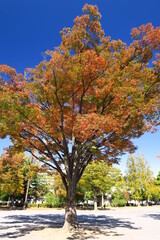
(59, 189)
(29, 170)
(39, 186)
(155, 191)
(11, 175)
(58, 186)
(139, 178)
(158, 179)
(98, 179)
(16, 175)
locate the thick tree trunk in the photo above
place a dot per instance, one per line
(70, 209)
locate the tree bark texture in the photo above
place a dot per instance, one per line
(70, 210)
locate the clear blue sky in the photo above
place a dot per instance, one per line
(30, 27)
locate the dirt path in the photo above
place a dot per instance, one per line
(125, 223)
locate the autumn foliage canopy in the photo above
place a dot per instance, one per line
(86, 100)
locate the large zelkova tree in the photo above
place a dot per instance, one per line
(86, 100)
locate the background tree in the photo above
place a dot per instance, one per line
(58, 186)
(98, 178)
(158, 178)
(60, 191)
(155, 191)
(29, 170)
(57, 193)
(139, 178)
(39, 186)
(85, 101)
(16, 172)
(11, 175)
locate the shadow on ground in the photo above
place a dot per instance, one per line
(154, 216)
(100, 225)
(19, 225)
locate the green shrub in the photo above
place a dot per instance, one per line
(53, 201)
(3, 196)
(31, 205)
(107, 205)
(118, 203)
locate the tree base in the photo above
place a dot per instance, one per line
(71, 227)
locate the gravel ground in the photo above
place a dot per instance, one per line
(140, 223)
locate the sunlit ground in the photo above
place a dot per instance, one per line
(140, 223)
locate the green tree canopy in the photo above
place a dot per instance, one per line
(139, 177)
(158, 178)
(98, 178)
